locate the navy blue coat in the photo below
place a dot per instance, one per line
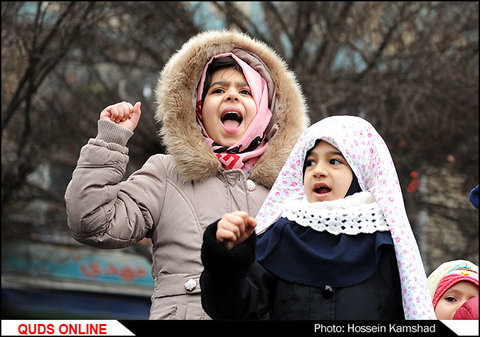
(236, 286)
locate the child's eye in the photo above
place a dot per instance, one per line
(310, 162)
(451, 299)
(246, 92)
(335, 162)
(217, 91)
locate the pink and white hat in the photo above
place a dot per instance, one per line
(449, 274)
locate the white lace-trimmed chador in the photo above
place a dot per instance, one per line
(371, 162)
(355, 214)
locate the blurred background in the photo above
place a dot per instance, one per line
(410, 68)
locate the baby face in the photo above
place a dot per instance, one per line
(454, 298)
(228, 107)
(327, 175)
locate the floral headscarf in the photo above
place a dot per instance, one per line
(369, 158)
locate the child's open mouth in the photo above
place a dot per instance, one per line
(231, 120)
(321, 189)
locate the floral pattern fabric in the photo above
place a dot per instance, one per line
(369, 157)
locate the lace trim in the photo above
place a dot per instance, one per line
(355, 214)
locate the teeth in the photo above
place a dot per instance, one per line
(322, 189)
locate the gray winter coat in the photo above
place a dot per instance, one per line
(175, 196)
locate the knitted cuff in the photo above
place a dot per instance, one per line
(112, 133)
(216, 258)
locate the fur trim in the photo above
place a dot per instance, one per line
(175, 94)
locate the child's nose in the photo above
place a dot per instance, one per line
(231, 96)
(319, 170)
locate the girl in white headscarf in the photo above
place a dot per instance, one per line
(351, 256)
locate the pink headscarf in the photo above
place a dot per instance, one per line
(234, 157)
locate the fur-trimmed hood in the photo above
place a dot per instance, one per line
(176, 97)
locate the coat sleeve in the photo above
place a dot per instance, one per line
(233, 285)
(104, 211)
